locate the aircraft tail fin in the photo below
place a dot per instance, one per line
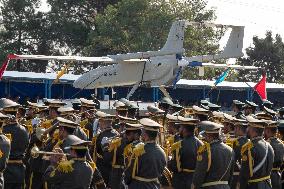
(175, 37)
(234, 46)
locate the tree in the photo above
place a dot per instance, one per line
(266, 53)
(23, 31)
(141, 25)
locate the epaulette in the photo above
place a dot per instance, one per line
(202, 148)
(65, 166)
(46, 124)
(170, 140)
(236, 142)
(115, 143)
(127, 151)
(9, 136)
(139, 150)
(175, 146)
(84, 123)
(246, 146)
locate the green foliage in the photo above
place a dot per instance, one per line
(141, 25)
(22, 31)
(267, 54)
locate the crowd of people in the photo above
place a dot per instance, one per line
(52, 146)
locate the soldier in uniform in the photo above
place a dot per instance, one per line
(250, 108)
(240, 127)
(257, 158)
(68, 113)
(119, 149)
(101, 141)
(73, 173)
(270, 132)
(148, 160)
(215, 160)
(5, 146)
(238, 108)
(35, 179)
(173, 128)
(14, 174)
(184, 154)
(132, 111)
(200, 113)
(88, 110)
(165, 104)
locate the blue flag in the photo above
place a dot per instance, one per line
(222, 77)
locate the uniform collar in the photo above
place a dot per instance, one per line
(150, 142)
(79, 159)
(215, 141)
(239, 137)
(272, 138)
(257, 138)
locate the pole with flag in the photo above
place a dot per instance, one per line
(220, 79)
(260, 87)
(61, 73)
(5, 64)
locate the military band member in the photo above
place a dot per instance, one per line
(133, 111)
(257, 158)
(214, 167)
(184, 154)
(238, 108)
(200, 113)
(68, 113)
(101, 141)
(270, 132)
(5, 146)
(14, 174)
(37, 168)
(119, 149)
(73, 173)
(173, 128)
(165, 104)
(250, 108)
(88, 110)
(228, 129)
(240, 127)
(148, 160)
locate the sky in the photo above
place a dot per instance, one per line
(258, 16)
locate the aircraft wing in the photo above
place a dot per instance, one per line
(233, 66)
(67, 58)
(129, 57)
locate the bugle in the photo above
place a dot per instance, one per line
(35, 152)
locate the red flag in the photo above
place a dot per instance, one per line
(260, 87)
(5, 64)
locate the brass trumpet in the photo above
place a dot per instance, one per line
(35, 152)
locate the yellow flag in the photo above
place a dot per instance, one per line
(61, 73)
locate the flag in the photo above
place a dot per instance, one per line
(260, 87)
(222, 77)
(5, 64)
(61, 73)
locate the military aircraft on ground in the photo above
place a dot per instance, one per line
(153, 68)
